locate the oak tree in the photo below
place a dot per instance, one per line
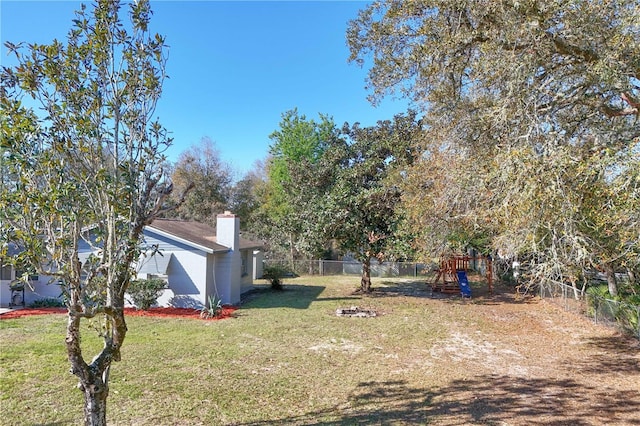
(532, 110)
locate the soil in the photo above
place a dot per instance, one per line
(520, 360)
(227, 312)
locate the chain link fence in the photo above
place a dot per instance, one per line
(336, 267)
(600, 309)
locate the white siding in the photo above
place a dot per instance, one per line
(41, 290)
(247, 270)
(186, 273)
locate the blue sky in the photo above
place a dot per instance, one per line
(235, 67)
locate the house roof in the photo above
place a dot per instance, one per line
(198, 233)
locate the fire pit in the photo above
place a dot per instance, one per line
(356, 311)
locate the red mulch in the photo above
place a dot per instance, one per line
(227, 312)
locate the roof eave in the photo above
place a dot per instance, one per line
(187, 242)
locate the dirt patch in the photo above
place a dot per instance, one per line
(227, 312)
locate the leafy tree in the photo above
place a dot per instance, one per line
(201, 167)
(245, 197)
(297, 145)
(365, 200)
(525, 155)
(87, 172)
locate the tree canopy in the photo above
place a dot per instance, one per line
(296, 147)
(364, 199)
(201, 168)
(532, 111)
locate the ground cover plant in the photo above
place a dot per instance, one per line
(286, 358)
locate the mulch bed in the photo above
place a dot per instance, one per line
(227, 312)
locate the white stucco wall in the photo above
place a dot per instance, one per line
(228, 266)
(258, 264)
(41, 290)
(187, 280)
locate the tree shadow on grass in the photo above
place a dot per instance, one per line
(484, 399)
(295, 296)
(413, 288)
(53, 424)
(422, 289)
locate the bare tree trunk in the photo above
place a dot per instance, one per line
(365, 281)
(632, 277)
(92, 385)
(611, 279)
(95, 402)
(576, 294)
(291, 252)
(94, 377)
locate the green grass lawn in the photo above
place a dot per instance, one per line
(286, 358)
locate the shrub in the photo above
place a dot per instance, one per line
(50, 302)
(274, 275)
(144, 293)
(597, 297)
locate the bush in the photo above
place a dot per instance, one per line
(623, 310)
(144, 293)
(597, 297)
(274, 275)
(50, 302)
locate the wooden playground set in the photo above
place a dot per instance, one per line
(452, 277)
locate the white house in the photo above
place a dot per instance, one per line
(196, 261)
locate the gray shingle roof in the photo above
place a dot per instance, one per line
(198, 233)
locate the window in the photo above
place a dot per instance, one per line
(245, 263)
(5, 272)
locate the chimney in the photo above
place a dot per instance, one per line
(228, 230)
(229, 267)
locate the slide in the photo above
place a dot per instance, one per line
(465, 290)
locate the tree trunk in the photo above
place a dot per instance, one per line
(95, 402)
(611, 279)
(291, 251)
(632, 277)
(365, 281)
(94, 377)
(576, 294)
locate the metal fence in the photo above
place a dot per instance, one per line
(600, 309)
(336, 267)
